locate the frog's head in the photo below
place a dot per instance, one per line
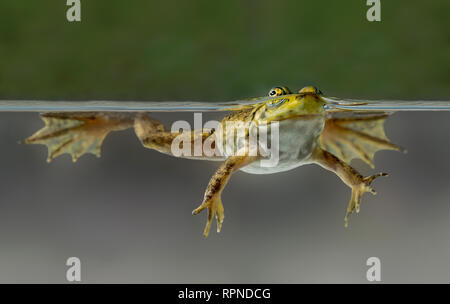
(285, 105)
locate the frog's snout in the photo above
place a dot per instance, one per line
(311, 90)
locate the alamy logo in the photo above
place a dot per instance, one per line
(374, 12)
(73, 274)
(373, 274)
(74, 10)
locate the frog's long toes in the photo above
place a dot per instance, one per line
(215, 209)
(208, 223)
(219, 216)
(368, 180)
(198, 210)
(357, 191)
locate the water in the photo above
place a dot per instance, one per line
(388, 105)
(192, 106)
(128, 215)
(126, 106)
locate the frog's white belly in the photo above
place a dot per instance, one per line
(297, 139)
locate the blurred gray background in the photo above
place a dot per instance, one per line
(127, 216)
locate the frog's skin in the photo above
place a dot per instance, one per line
(307, 134)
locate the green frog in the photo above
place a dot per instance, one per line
(307, 132)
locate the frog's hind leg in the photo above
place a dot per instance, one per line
(78, 133)
(212, 199)
(347, 137)
(348, 175)
(153, 135)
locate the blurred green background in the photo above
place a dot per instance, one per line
(216, 50)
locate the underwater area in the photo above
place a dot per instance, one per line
(127, 215)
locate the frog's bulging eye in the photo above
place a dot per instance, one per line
(279, 91)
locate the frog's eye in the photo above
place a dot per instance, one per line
(274, 92)
(279, 91)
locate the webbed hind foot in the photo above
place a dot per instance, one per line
(78, 133)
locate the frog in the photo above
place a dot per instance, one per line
(307, 133)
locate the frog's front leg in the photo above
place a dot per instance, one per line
(212, 199)
(348, 175)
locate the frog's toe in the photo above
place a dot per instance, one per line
(219, 216)
(357, 191)
(215, 208)
(199, 209)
